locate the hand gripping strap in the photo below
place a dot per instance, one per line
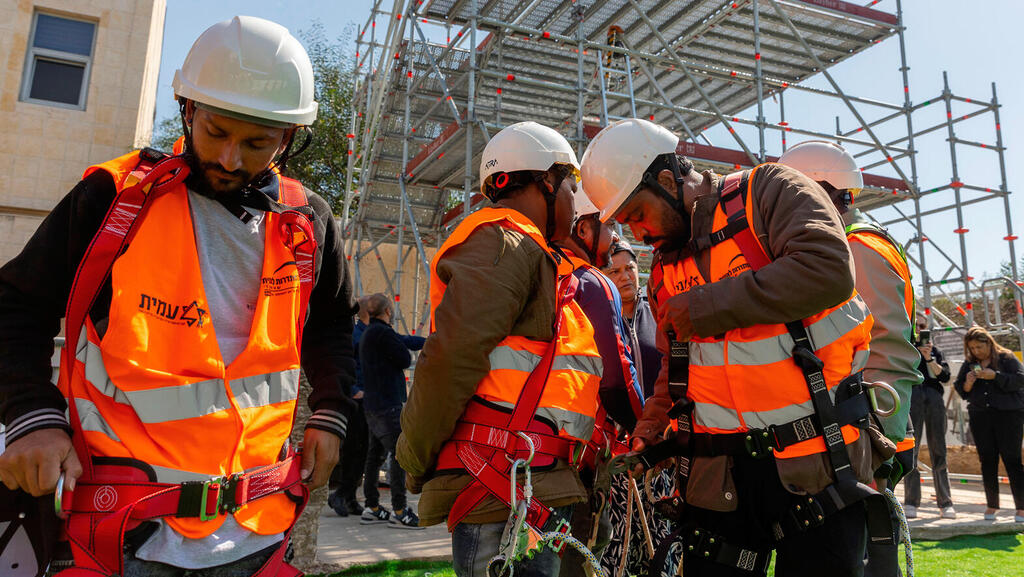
(480, 467)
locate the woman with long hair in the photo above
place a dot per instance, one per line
(992, 381)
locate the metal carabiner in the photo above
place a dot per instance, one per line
(874, 400)
(58, 496)
(529, 443)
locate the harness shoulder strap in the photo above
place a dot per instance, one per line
(733, 193)
(291, 192)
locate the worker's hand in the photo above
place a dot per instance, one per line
(320, 451)
(674, 315)
(358, 395)
(34, 462)
(636, 446)
(987, 374)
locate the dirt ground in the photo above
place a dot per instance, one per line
(960, 460)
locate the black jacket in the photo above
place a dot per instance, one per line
(937, 381)
(384, 355)
(34, 289)
(1003, 393)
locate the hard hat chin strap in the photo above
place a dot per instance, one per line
(679, 172)
(590, 249)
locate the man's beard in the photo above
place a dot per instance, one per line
(200, 182)
(676, 238)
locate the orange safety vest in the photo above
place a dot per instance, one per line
(747, 378)
(570, 398)
(605, 432)
(888, 248)
(564, 401)
(154, 388)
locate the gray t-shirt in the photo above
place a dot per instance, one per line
(231, 261)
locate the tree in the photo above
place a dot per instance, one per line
(323, 167)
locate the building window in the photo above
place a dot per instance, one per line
(58, 61)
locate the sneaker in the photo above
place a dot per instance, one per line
(990, 515)
(948, 512)
(407, 520)
(910, 511)
(373, 516)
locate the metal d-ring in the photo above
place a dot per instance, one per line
(874, 401)
(58, 496)
(529, 443)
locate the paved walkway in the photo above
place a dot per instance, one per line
(344, 542)
(969, 502)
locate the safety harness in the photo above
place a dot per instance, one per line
(852, 407)
(486, 449)
(115, 495)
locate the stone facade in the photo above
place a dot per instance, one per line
(44, 148)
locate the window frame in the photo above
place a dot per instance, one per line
(32, 54)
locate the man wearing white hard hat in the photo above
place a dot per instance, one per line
(193, 289)
(884, 282)
(492, 368)
(763, 339)
(588, 248)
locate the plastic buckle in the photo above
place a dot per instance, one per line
(194, 499)
(759, 443)
(563, 527)
(807, 514)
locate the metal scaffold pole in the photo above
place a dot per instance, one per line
(760, 80)
(926, 291)
(956, 185)
(1009, 238)
(467, 191)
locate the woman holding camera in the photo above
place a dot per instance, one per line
(992, 381)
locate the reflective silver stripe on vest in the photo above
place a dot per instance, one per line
(574, 424)
(91, 420)
(715, 416)
(860, 360)
(175, 403)
(822, 332)
(504, 357)
(263, 390)
(782, 415)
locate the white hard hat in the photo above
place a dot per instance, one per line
(582, 203)
(250, 68)
(824, 161)
(615, 162)
(525, 146)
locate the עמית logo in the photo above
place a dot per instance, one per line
(190, 314)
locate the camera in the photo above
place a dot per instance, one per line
(924, 337)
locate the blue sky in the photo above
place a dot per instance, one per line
(975, 42)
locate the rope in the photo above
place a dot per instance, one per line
(908, 550)
(555, 536)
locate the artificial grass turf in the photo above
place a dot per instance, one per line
(967, 556)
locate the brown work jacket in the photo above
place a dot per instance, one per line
(499, 283)
(811, 270)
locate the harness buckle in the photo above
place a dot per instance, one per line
(807, 514)
(228, 500)
(703, 543)
(194, 499)
(760, 443)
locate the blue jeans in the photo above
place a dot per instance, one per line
(474, 544)
(244, 567)
(384, 427)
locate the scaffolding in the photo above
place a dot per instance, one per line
(438, 77)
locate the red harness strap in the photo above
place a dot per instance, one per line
(734, 193)
(102, 511)
(491, 471)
